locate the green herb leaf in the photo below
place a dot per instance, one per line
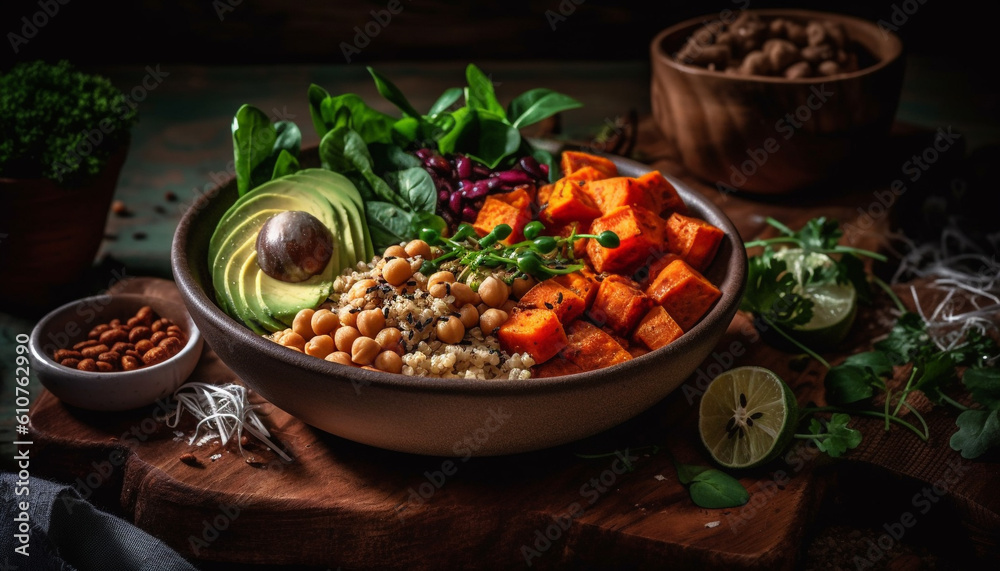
(316, 97)
(343, 150)
(908, 336)
(537, 104)
(770, 293)
(462, 118)
(850, 269)
(714, 489)
(686, 473)
(819, 234)
(978, 431)
(388, 158)
(427, 220)
(835, 438)
(349, 110)
(846, 384)
(416, 187)
(447, 99)
(984, 386)
(285, 165)
(480, 94)
(253, 141)
(388, 224)
(393, 94)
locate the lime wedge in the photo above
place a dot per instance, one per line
(834, 305)
(747, 417)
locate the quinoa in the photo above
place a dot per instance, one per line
(412, 310)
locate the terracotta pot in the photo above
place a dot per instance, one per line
(49, 234)
(770, 134)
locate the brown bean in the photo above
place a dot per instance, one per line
(439, 290)
(143, 346)
(157, 337)
(449, 330)
(828, 68)
(95, 333)
(70, 362)
(464, 294)
(320, 346)
(370, 322)
(145, 314)
(105, 367)
(173, 345)
(345, 337)
(780, 54)
(87, 365)
(93, 351)
(113, 336)
(155, 356)
(397, 271)
(817, 54)
(388, 337)
(469, 315)
(302, 323)
(440, 277)
(84, 344)
(816, 33)
(493, 292)
(394, 251)
(160, 324)
(115, 323)
(798, 70)
(756, 63)
(66, 354)
(175, 329)
(348, 317)
(132, 353)
(133, 322)
(130, 363)
(110, 357)
(122, 346)
(139, 333)
(293, 339)
(490, 321)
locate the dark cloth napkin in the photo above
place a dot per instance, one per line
(65, 532)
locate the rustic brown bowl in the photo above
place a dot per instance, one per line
(450, 417)
(733, 130)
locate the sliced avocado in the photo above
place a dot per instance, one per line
(233, 281)
(251, 295)
(284, 299)
(218, 261)
(343, 233)
(337, 186)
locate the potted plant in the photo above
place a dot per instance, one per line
(64, 135)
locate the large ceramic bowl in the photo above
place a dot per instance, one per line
(451, 417)
(771, 135)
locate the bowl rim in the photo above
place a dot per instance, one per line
(732, 287)
(193, 343)
(660, 56)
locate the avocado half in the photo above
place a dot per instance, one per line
(242, 289)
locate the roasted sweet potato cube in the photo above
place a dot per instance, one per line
(619, 305)
(647, 273)
(684, 293)
(640, 233)
(552, 295)
(582, 282)
(573, 161)
(657, 329)
(556, 367)
(612, 193)
(587, 173)
(564, 230)
(591, 348)
(520, 198)
(496, 211)
(536, 332)
(663, 194)
(693, 239)
(544, 192)
(569, 203)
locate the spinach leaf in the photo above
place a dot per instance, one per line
(546, 158)
(387, 223)
(285, 165)
(393, 94)
(348, 110)
(405, 131)
(537, 104)
(480, 94)
(391, 157)
(316, 97)
(343, 150)
(421, 220)
(287, 138)
(416, 187)
(714, 489)
(447, 99)
(253, 141)
(497, 140)
(462, 118)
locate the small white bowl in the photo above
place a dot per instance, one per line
(119, 390)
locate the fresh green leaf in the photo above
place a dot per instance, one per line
(343, 150)
(537, 104)
(426, 219)
(770, 293)
(908, 336)
(447, 99)
(817, 234)
(462, 118)
(984, 386)
(416, 187)
(393, 94)
(547, 158)
(978, 431)
(480, 94)
(686, 473)
(253, 141)
(405, 131)
(876, 362)
(934, 374)
(349, 110)
(388, 224)
(387, 158)
(497, 140)
(285, 165)
(714, 489)
(316, 97)
(288, 139)
(846, 384)
(835, 438)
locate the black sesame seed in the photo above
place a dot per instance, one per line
(411, 283)
(372, 289)
(549, 305)
(355, 310)
(559, 297)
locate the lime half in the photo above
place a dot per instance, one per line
(747, 417)
(834, 305)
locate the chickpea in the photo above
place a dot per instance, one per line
(358, 290)
(482, 307)
(364, 350)
(439, 290)
(319, 346)
(302, 323)
(348, 317)
(345, 338)
(340, 357)
(521, 286)
(395, 251)
(493, 292)
(370, 322)
(440, 278)
(469, 315)
(418, 248)
(324, 321)
(450, 330)
(397, 271)
(388, 338)
(464, 294)
(293, 339)
(491, 320)
(389, 362)
(508, 306)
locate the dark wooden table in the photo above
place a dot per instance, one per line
(182, 146)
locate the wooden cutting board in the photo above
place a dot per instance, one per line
(342, 504)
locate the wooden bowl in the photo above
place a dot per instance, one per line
(451, 417)
(770, 134)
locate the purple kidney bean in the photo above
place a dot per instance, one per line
(545, 169)
(480, 171)
(469, 214)
(439, 164)
(463, 166)
(531, 166)
(455, 202)
(423, 154)
(478, 189)
(443, 195)
(514, 177)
